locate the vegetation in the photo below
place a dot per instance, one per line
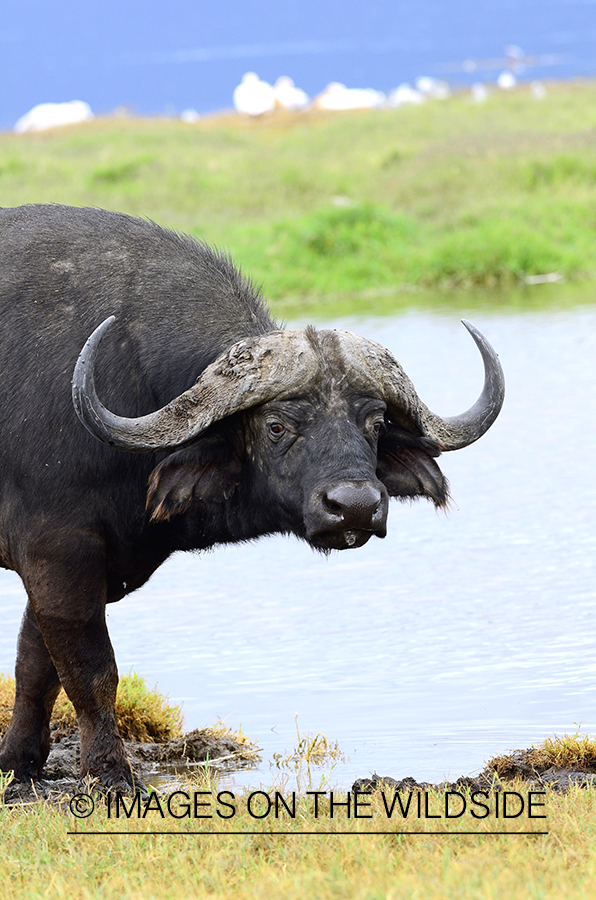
(143, 714)
(570, 751)
(240, 857)
(450, 193)
(312, 751)
(155, 850)
(577, 750)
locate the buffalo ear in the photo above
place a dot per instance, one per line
(209, 471)
(406, 466)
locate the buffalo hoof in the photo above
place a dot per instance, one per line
(22, 772)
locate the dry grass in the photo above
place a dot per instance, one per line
(6, 700)
(312, 749)
(241, 858)
(221, 731)
(143, 714)
(576, 751)
(47, 853)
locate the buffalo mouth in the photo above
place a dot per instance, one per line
(343, 540)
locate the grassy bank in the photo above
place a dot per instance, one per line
(204, 839)
(40, 859)
(450, 193)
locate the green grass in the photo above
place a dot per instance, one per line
(450, 194)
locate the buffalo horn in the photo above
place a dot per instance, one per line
(250, 372)
(373, 366)
(257, 369)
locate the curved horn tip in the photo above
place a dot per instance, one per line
(476, 334)
(81, 372)
(101, 329)
(465, 429)
(92, 343)
(489, 354)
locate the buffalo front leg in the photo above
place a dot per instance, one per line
(68, 596)
(85, 662)
(26, 744)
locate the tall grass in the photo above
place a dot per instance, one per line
(451, 193)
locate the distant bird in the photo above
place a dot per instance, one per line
(287, 95)
(479, 92)
(53, 115)
(253, 97)
(506, 80)
(338, 96)
(432, 87)
(403, 94)
(515, 57)
(189, 116)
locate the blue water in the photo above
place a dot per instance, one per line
(456, 637)
(157, 58)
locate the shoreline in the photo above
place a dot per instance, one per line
(223, 755)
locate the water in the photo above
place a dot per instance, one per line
(184, 55)
(456, 637)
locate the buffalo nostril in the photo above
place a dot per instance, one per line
(356, 505)
(332, 505)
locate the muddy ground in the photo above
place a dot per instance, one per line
(520, 767)
(149, 761)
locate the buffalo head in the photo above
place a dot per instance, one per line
(310, 431)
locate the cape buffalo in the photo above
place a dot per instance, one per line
(214, 425)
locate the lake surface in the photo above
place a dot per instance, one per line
(183, 54)
(424, 654)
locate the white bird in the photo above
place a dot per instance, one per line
(432, 87)
(287, 95)
(337, 96)
(537, 89)
(53, 115)
(190, 116)
(405, 93)
(506, 80)
(253, 97)
(515, 57)
(479, 92)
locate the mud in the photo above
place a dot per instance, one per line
(519, 767)
(150, 762)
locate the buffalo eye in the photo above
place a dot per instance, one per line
(276, 430)
(377, 427)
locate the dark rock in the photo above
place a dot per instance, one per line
(198, 746)
(375, 782)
